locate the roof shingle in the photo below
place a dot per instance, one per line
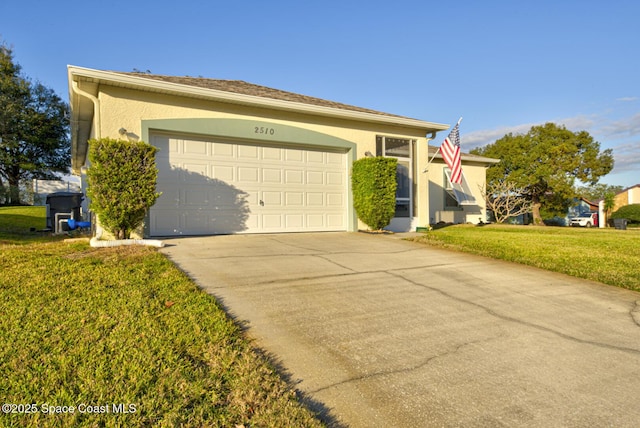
(245, 88)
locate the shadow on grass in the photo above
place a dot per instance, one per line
(318, 409)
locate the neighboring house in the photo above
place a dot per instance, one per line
(628, 196)
(581, 206)
(41, 188)
(241, 158)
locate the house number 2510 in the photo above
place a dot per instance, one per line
(264, 130)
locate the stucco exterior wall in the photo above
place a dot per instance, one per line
(475, 175)
(627, 197)
(134, 110)
(126, 108)
(634, 195)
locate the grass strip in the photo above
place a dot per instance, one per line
(604, 255)
(122, 328)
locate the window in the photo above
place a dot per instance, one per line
(401, 149)
(457, 195)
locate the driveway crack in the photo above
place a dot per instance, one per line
(390, 372)
(635, 313)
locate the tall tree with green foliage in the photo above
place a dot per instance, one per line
(374, 184)
(34, 129)
(122, 183)
(545, 163)
(598, 191)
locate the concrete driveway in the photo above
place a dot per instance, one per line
(379, 332)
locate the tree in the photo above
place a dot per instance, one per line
(505, 200)
(122, 183)
(374, 184)
(545, 163)
(598, 191)
(608, 206)
(34, 129)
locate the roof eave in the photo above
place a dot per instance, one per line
(77, 73)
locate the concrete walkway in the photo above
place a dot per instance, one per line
(379, 332)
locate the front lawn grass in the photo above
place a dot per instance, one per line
(23, 224)
(605, 255)
(123, 329)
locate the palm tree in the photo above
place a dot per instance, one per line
(609, 205)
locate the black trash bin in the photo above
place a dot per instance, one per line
(620, 223)
(63, 203)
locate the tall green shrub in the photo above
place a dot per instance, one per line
(373, 181)
(122, 183)
(630, 212)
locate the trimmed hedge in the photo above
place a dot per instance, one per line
(630, 212)
(373, 181)
(122, 183)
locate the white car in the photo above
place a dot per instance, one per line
(585, 220)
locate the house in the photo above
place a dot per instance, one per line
(235, 157)
(41, 188)
(628, 196)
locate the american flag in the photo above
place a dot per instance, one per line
(450, 150)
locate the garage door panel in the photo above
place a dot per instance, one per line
(222, 172)
(272, 221)
(315, 157)
(196, 221)
(222, 150)
(335, 220)
(195, 168)
(315, 199)
(164, 222)
(336, 159)
(335, 199)
(335, 178)
(315, 178)
(315, 220)
(247, 152)
(248, 175)
(271, 153)
(246, 188)
(192, 147)
(294, 199)
(272, 199)
(294, 176)
(271, 175)
(293, 155)
(195, 197)
(294, 221)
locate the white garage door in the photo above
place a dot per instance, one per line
(219, 187)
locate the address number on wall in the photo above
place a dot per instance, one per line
(263, 130)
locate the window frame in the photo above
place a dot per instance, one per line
(381, 150)
(461, 193)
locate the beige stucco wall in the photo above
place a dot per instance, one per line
(126, 108)
(633, 196)
(628, 197)
(475, 175)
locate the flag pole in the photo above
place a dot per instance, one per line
(426, 168)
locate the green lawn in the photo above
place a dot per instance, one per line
(16, 224)
(605, 255)
(123, 329)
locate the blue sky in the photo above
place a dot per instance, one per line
(502, 65)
